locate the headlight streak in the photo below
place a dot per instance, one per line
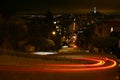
(43, 53)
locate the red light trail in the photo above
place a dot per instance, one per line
(102, 64)
(97, 63)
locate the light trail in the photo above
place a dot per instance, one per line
(103, 64)
(43, 53)
(97, 64)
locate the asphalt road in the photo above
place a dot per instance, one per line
(91, 68)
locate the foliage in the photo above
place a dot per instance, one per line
(42, 44)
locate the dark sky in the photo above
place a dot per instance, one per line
(73, 6)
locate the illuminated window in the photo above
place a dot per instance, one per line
(95, 10)
(111, 30)
(55, 22)
(57, 27)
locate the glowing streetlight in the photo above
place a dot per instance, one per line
(53, 33)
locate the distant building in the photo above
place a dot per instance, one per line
(107, 27)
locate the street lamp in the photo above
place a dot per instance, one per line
(53, 33)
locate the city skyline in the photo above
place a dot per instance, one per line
(73, 6)
(63, 6)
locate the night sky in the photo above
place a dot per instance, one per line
(73, 6)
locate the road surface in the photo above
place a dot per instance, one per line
(84, 68)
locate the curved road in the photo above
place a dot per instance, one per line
(96, 63)
(91, 68)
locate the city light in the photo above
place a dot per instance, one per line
(55, 22)
(111, 30)
(57, 27)
(53, 33)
